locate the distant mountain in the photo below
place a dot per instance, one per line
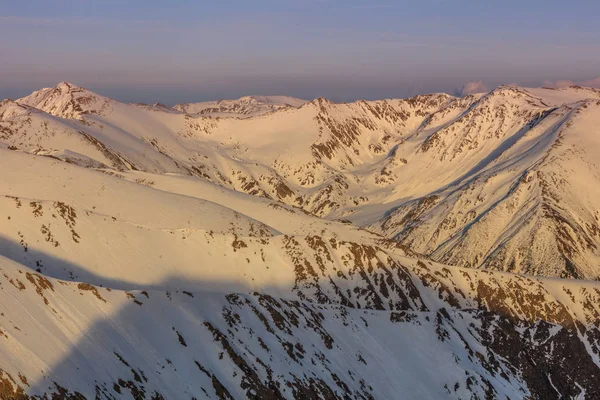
(67, 100)
(243, 107)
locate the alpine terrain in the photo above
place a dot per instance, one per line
(275, 248)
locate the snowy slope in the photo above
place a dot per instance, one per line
(496, 180)
(529, 203)
(163, 284)
(175, 344)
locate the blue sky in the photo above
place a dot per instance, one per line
(176, 51)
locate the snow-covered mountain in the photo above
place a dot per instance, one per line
(119, 287)
(243, 107)
(505, 180)
(67, 101)
(512, 184)
(161, 253)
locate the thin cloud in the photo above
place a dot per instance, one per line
(473, 87)
(563, 83)
(28, 21)
(76, 21)
(374, 6)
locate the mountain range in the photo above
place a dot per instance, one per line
(271, 247)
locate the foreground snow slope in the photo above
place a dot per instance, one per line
(120, 285)
(102, 343)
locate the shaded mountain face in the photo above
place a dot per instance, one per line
(149, 252)
(449, 340)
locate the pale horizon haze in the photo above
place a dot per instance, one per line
(183, 51)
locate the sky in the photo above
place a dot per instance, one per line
(183, 50)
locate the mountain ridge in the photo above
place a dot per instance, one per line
(152, 254)
(350, 159)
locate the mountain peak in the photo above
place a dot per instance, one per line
(66, 100)
(321, 102)
(65, 86)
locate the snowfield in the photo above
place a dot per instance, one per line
(218, 250)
